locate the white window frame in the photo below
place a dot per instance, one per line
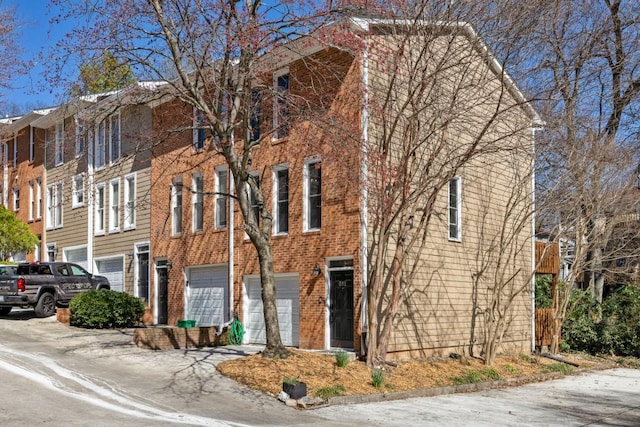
(16, 199)
(38, 198)
(221, 201)
(100, 209)
(32, 145)
(31, 200)
(306, 193)
(100, 151)
(177, 201)
(197, 197)
(59, 144)
(277, 201)
(114, 205)
(129, 221)
(115, 138)
(454, 210)
(277, 102)
(54, 206)
(77, 190)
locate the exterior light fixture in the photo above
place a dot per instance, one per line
(316, 270)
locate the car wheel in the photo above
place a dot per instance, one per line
(5, 310)
(46, 305)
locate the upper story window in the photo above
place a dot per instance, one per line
(281, 106)
(254, 119)
(129, 201)
(198, 130)
(281, 199)
(59, 144)
(16, 199)
(197, 196)
(54, 205)
(32, 144)
(38, 198)
(81, 138)
(455, 211)
(78, 191)
(253, 197)
(114, 138)
(99, 153)
(312, 194)
(100, 214)
(114, 205)
(32, 201)
(221, 191)
(176, 207)
(15, 150)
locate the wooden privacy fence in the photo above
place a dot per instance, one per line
(544, 323)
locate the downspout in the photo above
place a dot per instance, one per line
(364, 171)
(231, 247)
(90, 201)
(533, 240)
(5, 175)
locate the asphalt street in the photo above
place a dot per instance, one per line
(52, 374)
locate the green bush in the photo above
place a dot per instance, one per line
(342, 358)
(377, 378)
(618, 330)
(543, 291)
(105, 309)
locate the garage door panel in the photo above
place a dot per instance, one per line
(207, 295)
(287, 306)
(113, 270)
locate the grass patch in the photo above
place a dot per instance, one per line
(511, 369)
(342, 358)
(491, 373)
(470, 377)
(563, 368)
(628, 362)
(330, 391)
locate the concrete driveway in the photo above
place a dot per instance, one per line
(164, 387)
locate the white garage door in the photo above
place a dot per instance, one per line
(77, 256)
(287, 303)
(207, 295)
(112, 269)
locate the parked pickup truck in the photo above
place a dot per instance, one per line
(44, 285)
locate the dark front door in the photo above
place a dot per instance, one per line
(143, 276)
(341, 308)
(163, 281)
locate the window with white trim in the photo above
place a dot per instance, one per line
(59, 144)
(77, 191)
(197, 199)
(312, 194)
(100, 214)
(455, 211)
(221, 191)
(281, 106)
(54, 205)
(32, 201)
(38, 198)
(129, 201)
(114, 205)
(16, 199)
(114, 138)
(99, 152)
(254, 117)
(176, 207)
(198, 129)
(81, 137)
(281, 199)
(32, 144)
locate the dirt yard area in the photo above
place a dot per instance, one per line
(325, 379)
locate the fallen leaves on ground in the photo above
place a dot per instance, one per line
(321, 373)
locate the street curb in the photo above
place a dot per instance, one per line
(464, 388)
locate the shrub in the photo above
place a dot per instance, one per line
(342, 358)
(377, 378)
(330, 391)
(105, 309)
(470, 377)
(543, 291)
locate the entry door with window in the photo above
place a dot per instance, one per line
(341, 308)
